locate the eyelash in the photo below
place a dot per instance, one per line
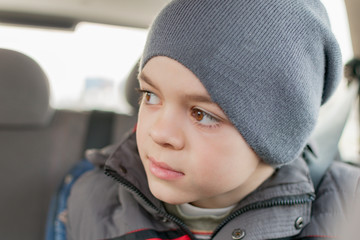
(216, 120)
(205, 115)
(142, 93)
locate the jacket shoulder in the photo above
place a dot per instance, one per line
(341, 183)
(337, 197)
(338, 168)
(86, 204)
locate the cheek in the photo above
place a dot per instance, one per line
(143, 125)
(215, 160)
(226, 158)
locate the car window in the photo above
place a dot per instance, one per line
(339, 23)
(86, 67)
(349, 143)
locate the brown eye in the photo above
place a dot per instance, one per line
(197, 114)
(147, 97)
(204, 118)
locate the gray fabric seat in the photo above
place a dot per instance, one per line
(38, 145)
(123, 122)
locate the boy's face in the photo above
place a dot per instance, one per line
(190, 150)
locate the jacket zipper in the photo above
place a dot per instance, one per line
(113, 174)
(280, 201)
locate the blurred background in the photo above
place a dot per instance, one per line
(87, 49)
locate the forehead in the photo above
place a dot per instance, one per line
(165, 73)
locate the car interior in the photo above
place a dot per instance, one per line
(41, 140)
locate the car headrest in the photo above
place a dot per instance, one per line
(24, 91)
(132, 84)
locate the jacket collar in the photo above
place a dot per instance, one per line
(290, 180)
(279, 208)
(126, 162)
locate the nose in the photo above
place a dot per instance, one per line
(167, 130)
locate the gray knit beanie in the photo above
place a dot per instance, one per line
(269, 64)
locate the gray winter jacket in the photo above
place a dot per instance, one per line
(285, 206)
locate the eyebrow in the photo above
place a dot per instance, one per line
(191, 97)
(146, 79)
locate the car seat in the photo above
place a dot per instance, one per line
(38, 145)
(25, 115)
(101, 124)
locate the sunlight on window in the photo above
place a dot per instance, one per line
(86, 68)
(349, 143)
(339, 23)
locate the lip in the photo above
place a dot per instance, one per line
(163, 171)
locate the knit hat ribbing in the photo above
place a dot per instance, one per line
(268, 64)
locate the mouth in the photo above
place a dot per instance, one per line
(163, 171)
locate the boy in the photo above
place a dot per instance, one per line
(230, 94)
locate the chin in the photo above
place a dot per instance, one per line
(170, 197)
(170, 200)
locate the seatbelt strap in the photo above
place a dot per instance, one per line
(100, 126)
(328, 135)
